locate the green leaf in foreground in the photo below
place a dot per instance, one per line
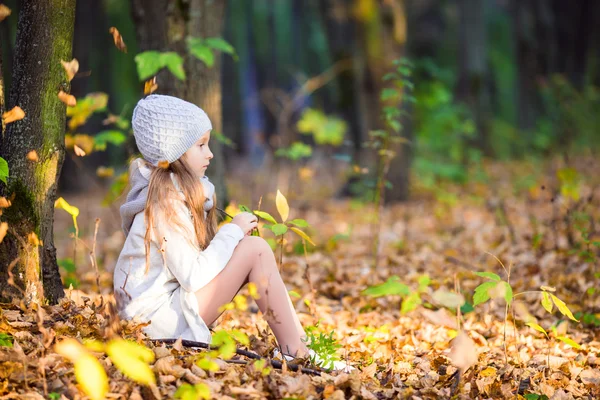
(489, 275)
(482, 292)
(279, 229)
(392, 286)
(265, 215)
(6, 339)
(3, 170)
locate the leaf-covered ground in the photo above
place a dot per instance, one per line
(540, 223)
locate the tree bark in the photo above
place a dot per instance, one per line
(473, 87)
(163, 25)
(44, 38)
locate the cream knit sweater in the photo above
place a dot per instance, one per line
(165, 295)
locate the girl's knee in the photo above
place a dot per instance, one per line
(256, 244)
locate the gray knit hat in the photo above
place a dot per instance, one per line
(165, 127)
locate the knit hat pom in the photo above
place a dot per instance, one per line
(165, 127)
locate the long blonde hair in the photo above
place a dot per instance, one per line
(163, 194)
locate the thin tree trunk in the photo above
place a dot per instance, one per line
(473, 87)
(44, 38)
(163, 25)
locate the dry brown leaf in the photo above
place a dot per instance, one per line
(4, 202)
(3, 230)
(33, 239)
(150, 86)
(71, 68)
(464, 352)
(78, 151)
(33, 156)
(118, 39)
(13, 115)
(4, 11)
(68, 99)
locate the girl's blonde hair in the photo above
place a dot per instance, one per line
(163, 196)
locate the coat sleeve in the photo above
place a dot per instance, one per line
(191, 267)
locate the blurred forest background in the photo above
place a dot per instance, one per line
(490, 79)
(440, 156)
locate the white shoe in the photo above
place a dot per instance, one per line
(318, 361)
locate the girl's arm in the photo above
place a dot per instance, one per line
(193, 268)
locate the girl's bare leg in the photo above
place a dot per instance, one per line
(254, 261)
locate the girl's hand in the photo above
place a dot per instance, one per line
(246, 221)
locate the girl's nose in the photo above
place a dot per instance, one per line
(210, 155)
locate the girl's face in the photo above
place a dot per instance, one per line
(199, 155)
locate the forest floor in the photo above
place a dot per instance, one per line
(531, 229)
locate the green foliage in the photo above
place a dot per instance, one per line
(444, 128)
(203, 49)
(6, 339)
(150, 62)
(295, 152)
(324, 345)
(326, 130)
(68, 265)
(569, 182)
(54, 396)
(499, 287)
(411, 298)
(116, 189)
(391, 287)
(534, 396)
(109, 136)
(3, 170)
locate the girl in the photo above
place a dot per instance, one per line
(176, 269)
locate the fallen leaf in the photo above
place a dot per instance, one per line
(78, 151)
(3, 230)
(68, 99)
(464, 351)
(150, 86)
(118, 39)
(4, 11)
(33, 156)
(13, 115)
(71, 68)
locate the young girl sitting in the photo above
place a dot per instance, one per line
(176, 269)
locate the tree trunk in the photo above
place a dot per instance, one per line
(44, 38)
(473, 87)
(163, 25)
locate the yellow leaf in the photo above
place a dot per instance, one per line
(88, 371)
(32, 156)
(489, 371)
(94, 345)
(118, 39)
(302, 235)
(282, 206)
(105, 172)
(13, 115)
(4, 203)
(537, 327)
(150, 86)
(546, 302)
(68, 99)
(91, 376)
(132, 360)
(253, 290)
(32, 238)
(3, 230)
(240, 302)
(562, 307)
(74, 211)
(4, 11)
(78, 151)
(71, 68)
